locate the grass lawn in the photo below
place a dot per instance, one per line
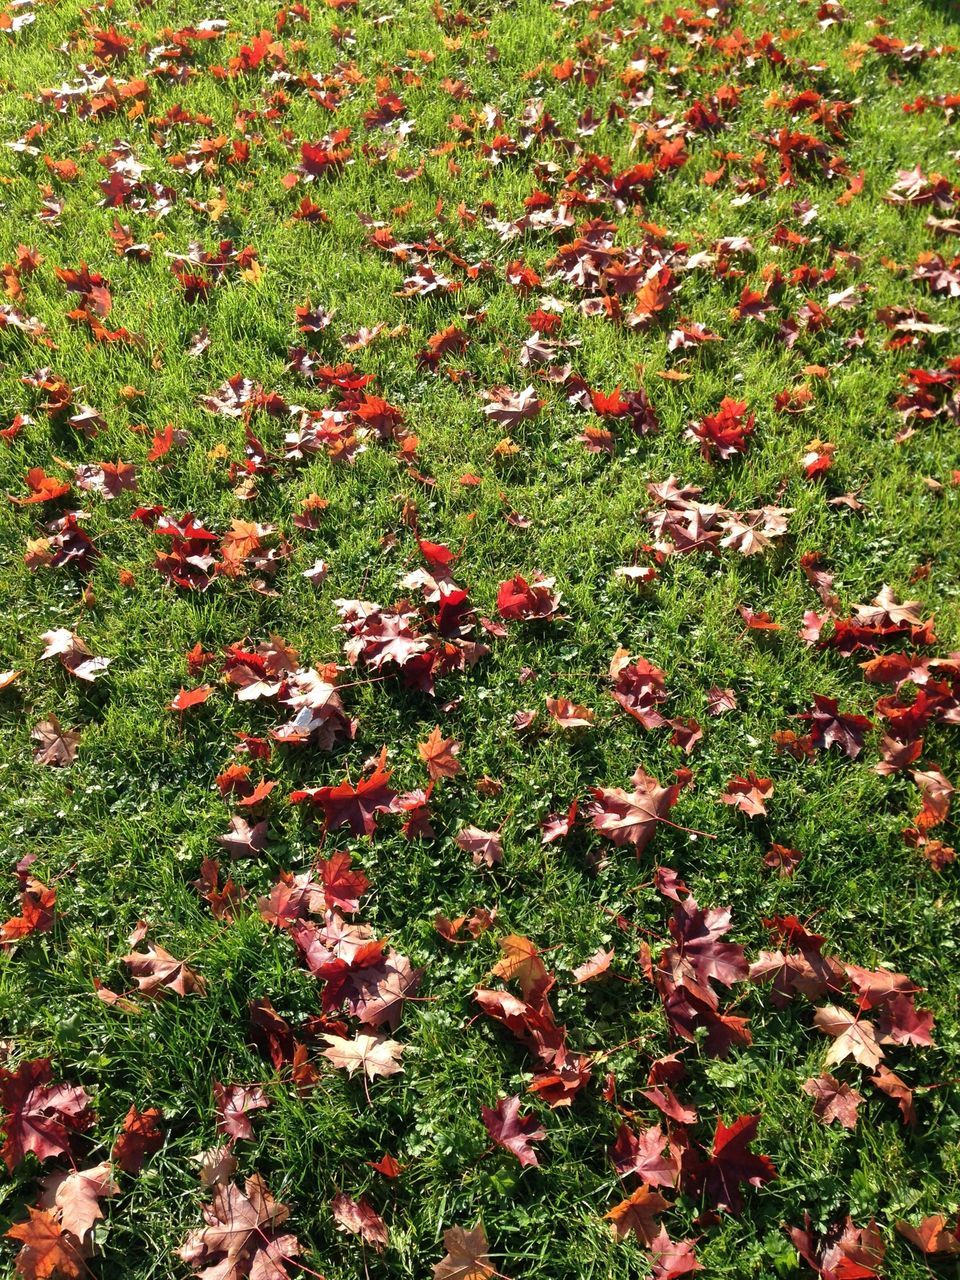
(386, 304)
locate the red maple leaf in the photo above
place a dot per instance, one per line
(39, 1116)
(139, 1138)
(638, 1214)
(518, 599)
(639, 687)
(829, 726)
(933, 1237)
(643, 1154)
(833, 1100)
(242, 1235)
(47, 1250)
(361, 1219)
(343, 886)
(43, 488)
(511, 407)
(748, 794)
(513, 1132)
(37, 912)
(234, 1103)
(724, 434)
(387, 1166)
(845, 1252)
(486, 847)
(354, 806)
(188, 698)
(158, 973)
(631, 817)
(672, 1258)
(730, 1163)
(595, 967)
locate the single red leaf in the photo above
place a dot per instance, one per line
(513, 1132)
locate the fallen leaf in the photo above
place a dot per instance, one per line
(467, 1256)
(513, 1132)
(375, 1055)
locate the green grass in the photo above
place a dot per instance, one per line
(124, 829)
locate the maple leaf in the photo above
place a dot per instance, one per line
(217, 1166)
(937, 791)
(139, 1137)
(375, 1055)
(258, 794)
(783, 859)
(521, 963)
(289, 900)
(39, 1116)
(511, 407)
(188, 698)
(889, 1082)
(570, 715)
(234, 1103)
(884, 611)
(158, 973)
(241, 1237)
(638, 1214)
(557, 825)
(55, 745)
(74, 654)
(387, 1166)
(244, 839)
(559, 1085)
(343, 886)
(698, 934)
(355, 807)
(831, 727)
(75, 1196)
(748, 794)
(221, 900)
(686, 734)
(360, 1218)
(439, 755)
(900, 1022)
(513, 1132)
(270, 1033)
(757, 620)
(486, 847)
(833, 1100)
(630, 818)
(518, 599)
(726, 433)
(43, 488)
(479, 921)
(667, 1102)
(642, 1154)
(731, 1162)
(109, 479)
(595, 967)
(47, 1250)
(685, 971)
(373, 984)
(37, 912)
(639, 687)
(846, 1252)
(643, 574)
(467, 1257)
(672, 1258)
(932, 1236)
(853, 1037)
